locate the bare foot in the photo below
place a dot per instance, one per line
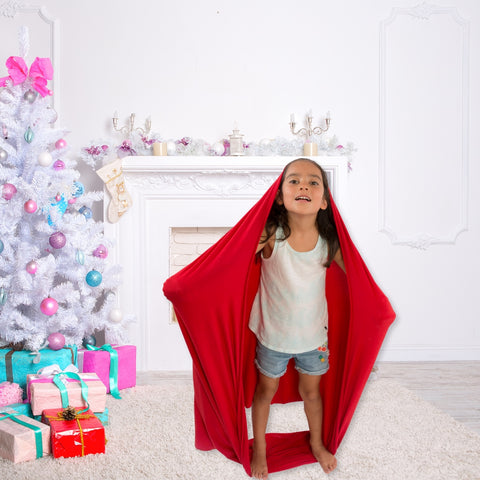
(259, 463)
(327, 461)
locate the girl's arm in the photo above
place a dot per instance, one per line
(339, 259)
(266, 244)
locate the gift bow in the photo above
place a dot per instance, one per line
(54, 369)
(40, 72)
(113, 375)
(36, 430)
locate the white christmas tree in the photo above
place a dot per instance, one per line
(55, 279)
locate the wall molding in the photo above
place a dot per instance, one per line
(423, 240)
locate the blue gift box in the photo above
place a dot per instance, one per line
(15, 365)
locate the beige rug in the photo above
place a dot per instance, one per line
(394, 436)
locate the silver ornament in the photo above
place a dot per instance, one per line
(30, 96)
(3, 154)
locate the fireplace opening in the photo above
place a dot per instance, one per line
(187, 244)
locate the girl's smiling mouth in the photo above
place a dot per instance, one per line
(303, 197)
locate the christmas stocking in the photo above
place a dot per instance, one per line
(121, 201)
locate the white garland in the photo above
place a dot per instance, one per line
(187, 146)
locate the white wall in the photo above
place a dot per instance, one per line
(408, 100)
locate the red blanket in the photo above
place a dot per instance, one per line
(212, 298)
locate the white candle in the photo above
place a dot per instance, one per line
(292, 118)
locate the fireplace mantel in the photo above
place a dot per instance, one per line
(182, 191)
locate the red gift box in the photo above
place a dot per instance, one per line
(74, 438)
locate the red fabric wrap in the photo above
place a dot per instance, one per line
(212, 298)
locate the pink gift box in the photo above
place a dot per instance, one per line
(44, 394)
(98, 361)
(17, 442)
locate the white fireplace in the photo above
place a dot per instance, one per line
(197, 195)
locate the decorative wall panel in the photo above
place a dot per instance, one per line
(424, 93)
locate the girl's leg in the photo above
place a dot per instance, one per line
(309, 388)
(264, 393)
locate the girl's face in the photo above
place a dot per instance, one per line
(302, 191)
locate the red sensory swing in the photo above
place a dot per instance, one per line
(212, 298)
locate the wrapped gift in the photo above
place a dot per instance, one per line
(23, 438)
(114, 364)
(21, 408)
(64, 389)
(15, 365)
(10, 393)
(74, 433)
(103, 417)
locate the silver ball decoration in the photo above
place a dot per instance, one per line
(3, 155)
(30, 96)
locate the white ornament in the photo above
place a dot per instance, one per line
(44, 159)
(218, 148)
(171, 148)
(115, 315)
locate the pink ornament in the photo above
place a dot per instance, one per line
(49, 306)
(73, 200)
(30, 206)
(58, 197)
(8, 191)
(60, 144)
(58, 165)
(101, 252)
(57, 240)
(56, 341)
(31, 267)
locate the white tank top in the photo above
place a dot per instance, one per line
(289, 313)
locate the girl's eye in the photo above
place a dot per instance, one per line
(314, 183)
(293, 181)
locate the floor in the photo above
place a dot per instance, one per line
(453, 387)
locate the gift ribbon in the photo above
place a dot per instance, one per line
(57, 380)
(79, 415)
(40, 72)
(36, 430)
(113, 374)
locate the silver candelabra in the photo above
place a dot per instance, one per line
(309, 131)
(129, 128)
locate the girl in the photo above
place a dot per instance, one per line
(289, 315)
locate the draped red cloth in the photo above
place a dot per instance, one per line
(212, 298)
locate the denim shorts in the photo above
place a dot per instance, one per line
(273, 364)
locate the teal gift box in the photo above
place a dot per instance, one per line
(21, 408)
(15, 365)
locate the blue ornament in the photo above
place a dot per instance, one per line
(90, 340)
(80, 257)
(93, 278)
(61, 205)
(3, 296)
(29, 135)
(1, 246)
(78, 189)
(86, 212)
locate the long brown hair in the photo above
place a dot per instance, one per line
(325, 223)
